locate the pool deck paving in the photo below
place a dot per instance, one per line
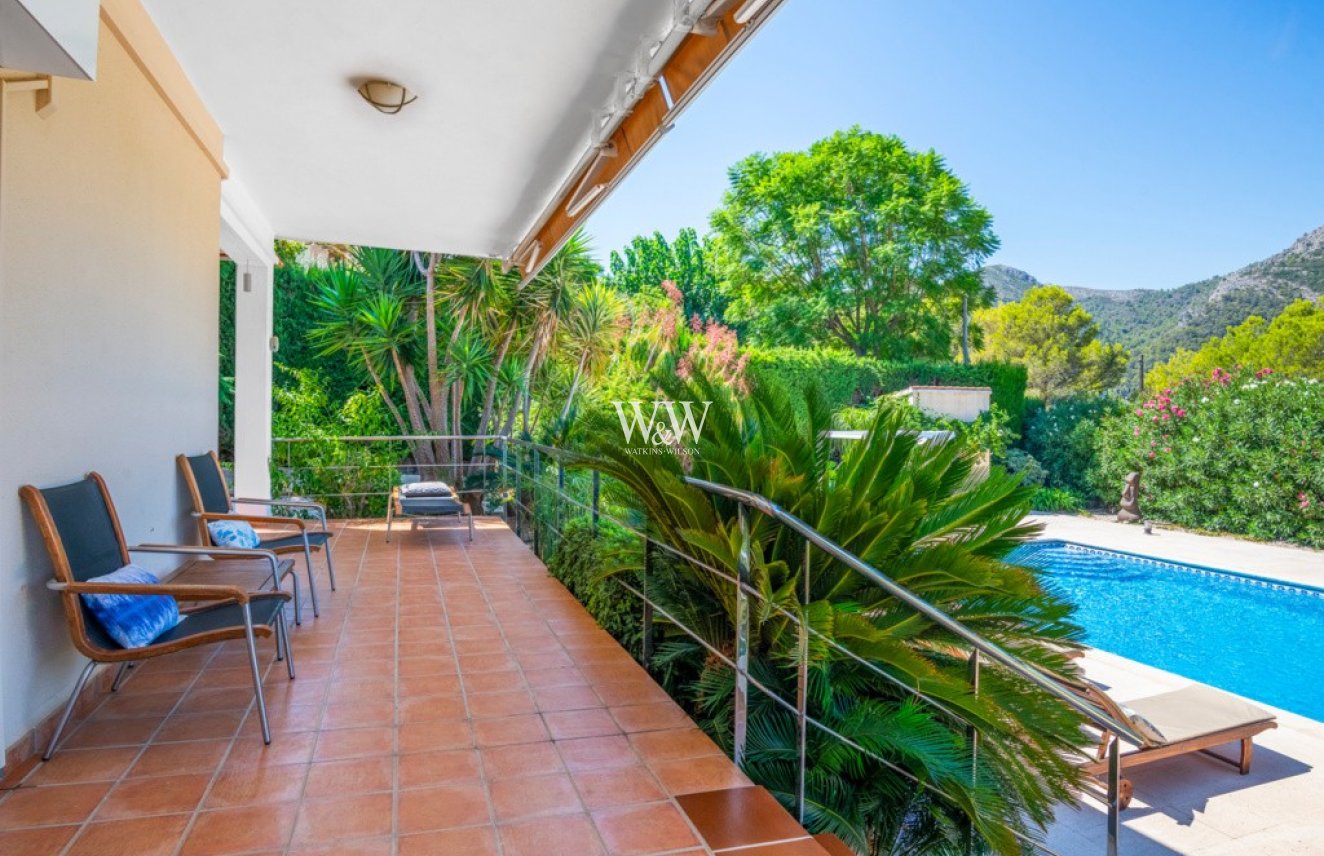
(1194, 804)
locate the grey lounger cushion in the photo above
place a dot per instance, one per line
(1196, 710)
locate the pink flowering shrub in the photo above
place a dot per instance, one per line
(1239, 451)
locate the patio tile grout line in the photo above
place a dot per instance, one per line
(326, 695)
(668, 797)
(464, 693)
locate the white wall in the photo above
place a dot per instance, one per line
(109, 227)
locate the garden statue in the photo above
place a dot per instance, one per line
(1129, 509)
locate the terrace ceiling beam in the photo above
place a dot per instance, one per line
(710, 44)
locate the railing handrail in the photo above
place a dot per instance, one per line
(923, 607)
(391, 438)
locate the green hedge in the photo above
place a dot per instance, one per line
(845, 379)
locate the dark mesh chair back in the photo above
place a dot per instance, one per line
(88, 531)
(213, 491)
(89, 534)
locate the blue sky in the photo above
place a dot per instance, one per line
(1117, 144)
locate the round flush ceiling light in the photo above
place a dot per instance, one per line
(385, 96)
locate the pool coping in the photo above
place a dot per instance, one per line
(1292, 564)
(1275, 583)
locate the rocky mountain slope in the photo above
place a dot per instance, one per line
(1155, 322)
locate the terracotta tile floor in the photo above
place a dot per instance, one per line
(451, 699)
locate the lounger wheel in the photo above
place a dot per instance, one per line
(1126, 791)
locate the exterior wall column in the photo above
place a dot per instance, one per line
(249, 242)
(252, 378)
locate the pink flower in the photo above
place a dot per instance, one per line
(1139, 412)
(1137, 431)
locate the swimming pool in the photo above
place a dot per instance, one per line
(1251, 636)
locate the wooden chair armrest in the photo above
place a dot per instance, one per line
(179, 591)
(254, 518)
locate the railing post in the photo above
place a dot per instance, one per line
(972, 734)
(597, 496)
(1114, 794)
(802, 691)
(646, 644)
(560, 499)
(533, 503)
(519, 496)
(742, 639)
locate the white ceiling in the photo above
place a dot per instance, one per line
(509, 95)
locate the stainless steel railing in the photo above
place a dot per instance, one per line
(521, 471)
(529, 481)
(374, 463)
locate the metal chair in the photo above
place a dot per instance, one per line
(212, 501)
(82, 533)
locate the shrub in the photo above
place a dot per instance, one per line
(1240, 453)
(1022, 463)
(578, 561)
(352, 479)
(1056, 499)
(1061, 439)
(913, 509)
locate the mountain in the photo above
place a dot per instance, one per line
(1156, 322)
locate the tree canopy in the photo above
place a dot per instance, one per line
(1292, 344)
(1057, 342)
(858, 241)
(648, 261)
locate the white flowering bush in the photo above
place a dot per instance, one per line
(1239, 452)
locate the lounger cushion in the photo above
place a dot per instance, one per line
(1197, 710)
(133, 620)
(233, 533)
(426, 488)
(438, 506)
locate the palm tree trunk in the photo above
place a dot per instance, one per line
(381, 390)
(489, 397)
(430, 311)
(574, 385)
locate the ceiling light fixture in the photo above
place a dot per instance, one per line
(387, 97)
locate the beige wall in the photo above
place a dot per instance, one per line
(109, 227)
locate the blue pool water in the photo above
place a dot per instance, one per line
(1252, 637)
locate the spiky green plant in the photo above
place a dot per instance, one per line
(897, 686)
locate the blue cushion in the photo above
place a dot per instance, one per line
(133, 620)
(233, 533)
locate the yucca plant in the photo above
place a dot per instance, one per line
(891, 682)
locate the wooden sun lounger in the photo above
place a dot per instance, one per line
(1195, 718)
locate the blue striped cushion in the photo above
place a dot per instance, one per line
(133, 620)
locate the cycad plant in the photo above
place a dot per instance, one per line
(889, 681)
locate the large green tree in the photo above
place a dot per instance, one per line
(648, 261)
(858, 241)
(1056, 340)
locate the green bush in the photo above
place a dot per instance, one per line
(1056, 499)
(1062, 440)
(352, 479)
(1240, 453)
(844, 379)
(1022, 463)
(578, 560)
